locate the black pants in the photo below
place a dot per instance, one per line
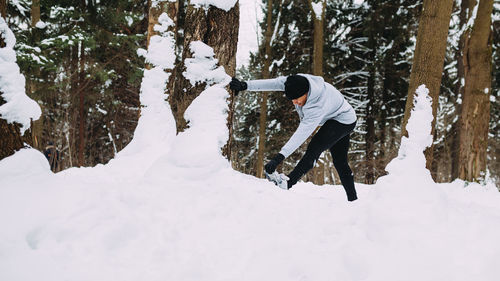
(334, 136)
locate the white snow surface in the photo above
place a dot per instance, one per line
(225, 5)
(171, 208)
(18, 107)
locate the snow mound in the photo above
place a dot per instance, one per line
(26, 162)
(409, 165)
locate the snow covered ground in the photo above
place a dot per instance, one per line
(171, 208)
(175, 210)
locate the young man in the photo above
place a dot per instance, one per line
(318, 104)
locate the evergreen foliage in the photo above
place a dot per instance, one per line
(86, 48)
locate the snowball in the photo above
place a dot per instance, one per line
(41, 25)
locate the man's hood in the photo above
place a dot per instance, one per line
(316, 87)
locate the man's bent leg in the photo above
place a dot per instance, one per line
(339, 155)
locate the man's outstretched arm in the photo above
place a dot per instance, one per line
(276, 84)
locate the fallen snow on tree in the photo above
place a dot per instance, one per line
(202, 67)
(19, 107)
(156, 126)
(225, 5)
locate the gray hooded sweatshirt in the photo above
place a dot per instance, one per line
(324, 102)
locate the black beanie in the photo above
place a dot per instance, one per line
(296, 86)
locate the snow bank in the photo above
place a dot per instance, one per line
(18, 107)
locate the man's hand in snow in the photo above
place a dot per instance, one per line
(270, 167)
(237, 85)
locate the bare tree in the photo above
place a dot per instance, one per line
(429, 56)
(318, 11)
(475, 114)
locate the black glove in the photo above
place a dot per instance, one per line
(237, 85)
(270, 167)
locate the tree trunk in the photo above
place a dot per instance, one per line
(219, 30)
(3, 10)
(319, 41)
(35, 12)
(466, 8)
(370, 98)
(317, 69)
(31, 78)
(475, 116)
(428, 60)
(81, 108)
(370, 124)
(263, 100)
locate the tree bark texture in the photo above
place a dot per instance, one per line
(466, 8)
(3, 10)
(219, 30)
(475, 116)
(319, 26)
(428, 59)
(35, 12)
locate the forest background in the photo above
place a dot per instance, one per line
(83, 65)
